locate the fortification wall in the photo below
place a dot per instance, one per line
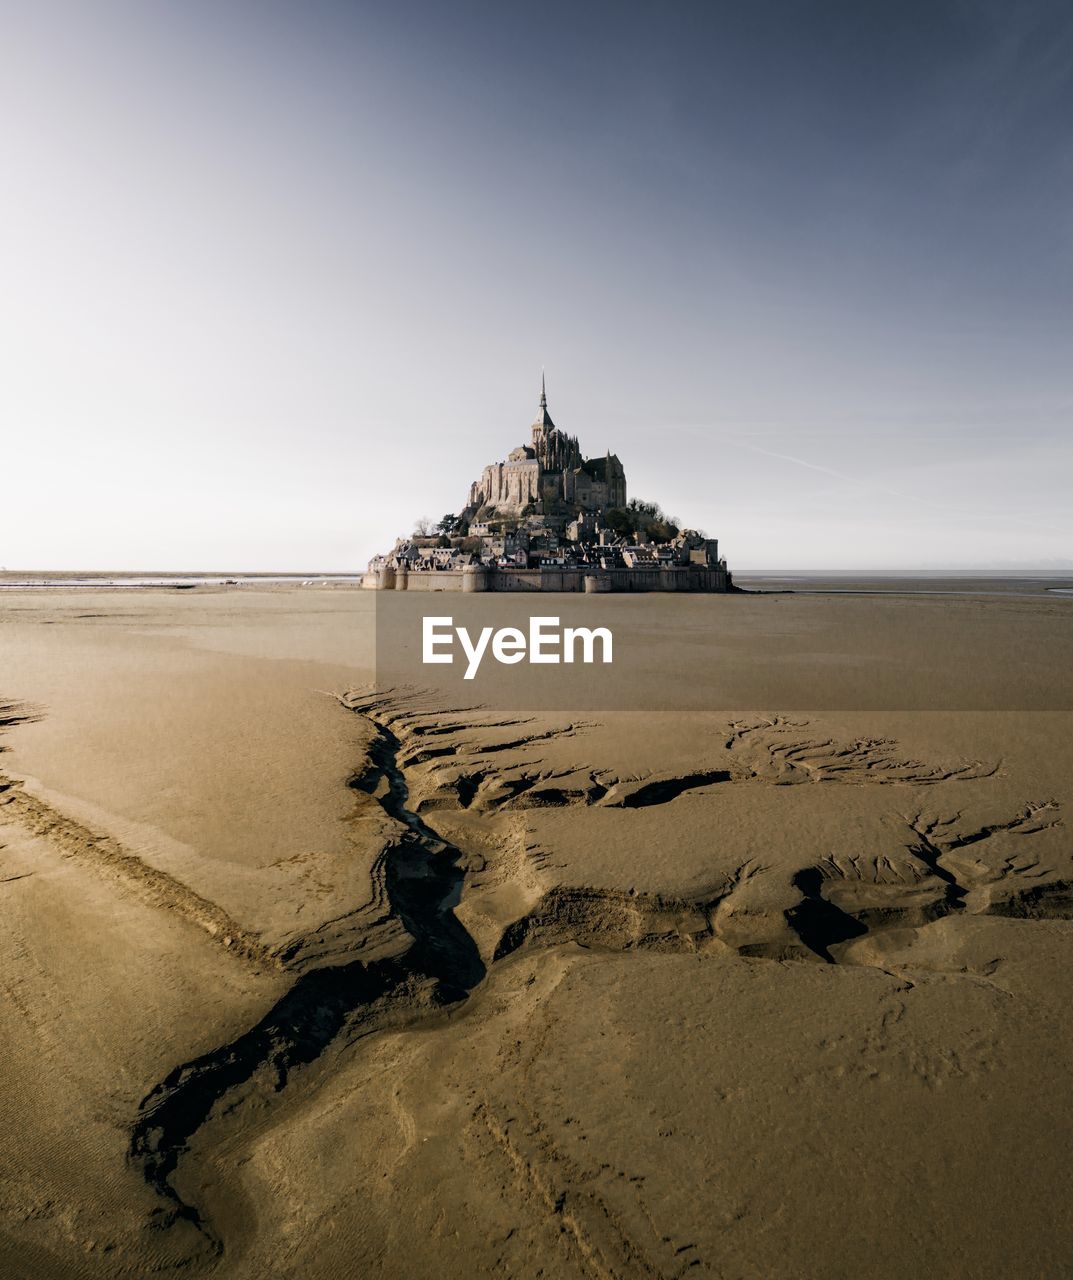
(535, 580)
(679, 578)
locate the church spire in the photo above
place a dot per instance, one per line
(543, 419)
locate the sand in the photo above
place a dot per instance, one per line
(308, 978)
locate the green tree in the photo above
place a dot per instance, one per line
(645, 518)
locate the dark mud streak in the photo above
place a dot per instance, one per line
(440, 968)
(1042, 902)
(666, 789)
(16, 713)
(818, 923)
(1030, 821)
(931, 855)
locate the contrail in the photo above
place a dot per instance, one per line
(867, 485)
(801, 462)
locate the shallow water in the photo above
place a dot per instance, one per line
(23, 582)
(922, 582)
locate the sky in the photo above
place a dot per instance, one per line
(277, 279)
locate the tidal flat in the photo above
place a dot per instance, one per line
(311, 975)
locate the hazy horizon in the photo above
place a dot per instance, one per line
(1055, 569)
(280, 280)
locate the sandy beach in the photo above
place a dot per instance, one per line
(308, 977)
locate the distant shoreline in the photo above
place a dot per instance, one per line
(1050, 583)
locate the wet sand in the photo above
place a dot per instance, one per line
(305, 979)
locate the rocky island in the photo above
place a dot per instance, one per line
(549, 519)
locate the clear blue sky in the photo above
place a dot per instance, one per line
(280, 278)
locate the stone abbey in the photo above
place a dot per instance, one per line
(550, 519)
(550, 470)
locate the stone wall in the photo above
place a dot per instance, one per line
(678, 578)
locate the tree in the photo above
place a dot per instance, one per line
(645, 518)
(424, 527)
(448, 524)
(618, 520)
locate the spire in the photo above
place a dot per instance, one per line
(543, 419)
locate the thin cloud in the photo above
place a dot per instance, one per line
(865, 485)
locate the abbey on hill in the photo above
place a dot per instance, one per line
(548, 519)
